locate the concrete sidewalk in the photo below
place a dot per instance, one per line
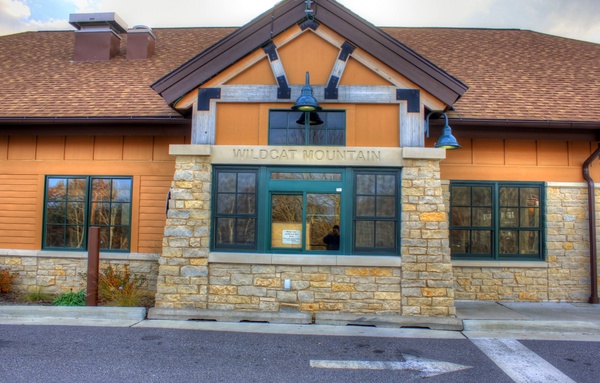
(475, 319)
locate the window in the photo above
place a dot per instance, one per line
(307, 128)
(494, 220)
(73, 204)
(235, 209)
(293, 210)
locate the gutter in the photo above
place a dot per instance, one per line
(592, 218)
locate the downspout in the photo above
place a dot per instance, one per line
(592, 218)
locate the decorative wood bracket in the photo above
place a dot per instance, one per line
(331, 91)
(205, 95)
(412, 97)
(283, 91)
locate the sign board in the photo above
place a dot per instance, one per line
(291, 237)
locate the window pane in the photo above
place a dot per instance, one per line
(286, 221)
(76, 213)
(120, 213)
(246, 183)
(530, 197)
(365, 206)
(226, 182)
(481, 242)
(386, 206)
(509, 242)
(336, 137)
(100, 214)
(75, 236)
(509, 196)
(225, 233)
(322, 213)
(461, 196)
(386, 185)
(365, 184)
(482, 196)
(296, 137)
(482, 217)
(77, 189)
(278, 137)
(101, 189)
(364, 234)
(121, 190)
(246, 204)
(529, 242)
(114, 238)
(461, 216)
(55, 236)
(226, 203)
(56, 189)
(245, 231)
(56, 212)
(530, 217)
(318, 137)
(509, 217)
(460, 241)
(385, 234)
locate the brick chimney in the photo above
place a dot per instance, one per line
(140, 42)
(97, 37)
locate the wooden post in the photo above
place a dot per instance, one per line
(93, 266)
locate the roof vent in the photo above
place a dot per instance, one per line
(97, 37)
(140, 42)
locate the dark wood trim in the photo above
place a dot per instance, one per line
(287, 13)
(205, 95)
(412, 97)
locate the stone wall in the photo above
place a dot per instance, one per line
(57, 272)
(423, 286)
(563, 277)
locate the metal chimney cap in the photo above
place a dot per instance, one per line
(98, 19)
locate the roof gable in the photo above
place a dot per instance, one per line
(286, 14)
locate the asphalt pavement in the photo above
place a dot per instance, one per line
(475, 319)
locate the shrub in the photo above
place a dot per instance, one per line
(6, 279)
(38, 296)
(121, 288)
(70, 299)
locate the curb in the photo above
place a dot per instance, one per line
(579, 327)
(69, 312)
(230, 316)
(391, 321)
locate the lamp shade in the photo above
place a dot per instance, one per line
(306, 102)
(447, 140)
(313, 119)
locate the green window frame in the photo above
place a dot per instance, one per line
(73, 204)
(497, 220)
(326, 127)
(296, 208)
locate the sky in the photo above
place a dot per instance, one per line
(577, 19)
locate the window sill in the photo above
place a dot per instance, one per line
(305, 260)
(511, 264)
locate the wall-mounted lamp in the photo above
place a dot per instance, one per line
(446, 140)
(307, 102)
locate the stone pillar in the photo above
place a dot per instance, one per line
(427, 280)
(183, 267)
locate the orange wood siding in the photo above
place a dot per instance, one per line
(299, 56)
(237, 124)
(152, 212)
(28, 160)
(377, 125)
(358, 74)
(518, 160)
(259, 73)
(19, 214)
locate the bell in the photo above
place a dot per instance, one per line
(313, 119)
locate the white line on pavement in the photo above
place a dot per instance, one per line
(519, 362)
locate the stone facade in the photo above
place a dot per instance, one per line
(57, 272)
(422, 286)
(563, 277)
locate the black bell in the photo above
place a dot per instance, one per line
(313, 119)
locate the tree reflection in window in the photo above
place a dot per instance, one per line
(375, 211)
(67, 217)
(235, 213)
(495, 220)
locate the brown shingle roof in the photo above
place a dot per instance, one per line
(511, 74)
